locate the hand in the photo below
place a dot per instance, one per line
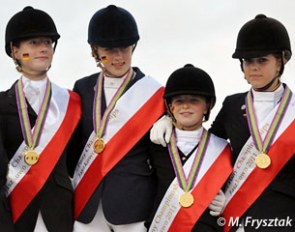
(217, 205)
(161, 131)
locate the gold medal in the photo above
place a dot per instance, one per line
(98, 146)
(186, 200)
(31, 157)
(262, 161)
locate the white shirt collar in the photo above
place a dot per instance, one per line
(187, 140)
(34, 91)
(274, 96)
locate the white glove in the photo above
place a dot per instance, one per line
(217, 205)
(161, 131)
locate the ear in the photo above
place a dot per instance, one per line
(171, 108)
(280, 64)
(15, 52)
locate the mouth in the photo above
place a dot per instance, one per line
(42, 58)
(118, 65)
(185, 114)
(255, 76)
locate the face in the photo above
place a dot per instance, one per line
(35, 56)
(261, 71)
(188, 111)
(117, 60)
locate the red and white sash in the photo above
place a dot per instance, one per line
(25, 181)
(247, 181)
(133, 115)
(215, 170)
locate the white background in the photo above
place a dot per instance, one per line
(172, 33)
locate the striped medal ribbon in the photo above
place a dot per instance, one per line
(187, 182)
(31, 138)
(263, 160)
(100, 122)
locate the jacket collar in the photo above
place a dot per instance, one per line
(12, 100)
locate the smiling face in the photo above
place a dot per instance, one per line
(116, 61)
(188, 111)
(35, 56)
(261, 71)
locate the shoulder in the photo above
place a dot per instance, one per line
(86, 81)
(218, 142)
(85, 85)
(145, 80)
(4, 94)
(139, 73)
(235, 98)
(7, 97)
(9, 92)
(218, 139)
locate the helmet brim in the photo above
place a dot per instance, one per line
(252, 54)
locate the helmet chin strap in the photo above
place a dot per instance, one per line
(266, 87)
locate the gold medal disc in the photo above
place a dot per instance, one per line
(98, 146)
(262, 161)
(186, 199)
(31, 157)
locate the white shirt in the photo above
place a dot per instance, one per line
(264, 102)
(34, 91)
(187, 140)
(111, 85)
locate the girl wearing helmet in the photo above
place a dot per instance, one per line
(260, 127)
(188, 194)
(37, 119)
(114, 186)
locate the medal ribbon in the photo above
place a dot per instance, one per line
(99, 123)
(184, 182)
(263, 146)
(31, 139)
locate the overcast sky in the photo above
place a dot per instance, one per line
(172, 33)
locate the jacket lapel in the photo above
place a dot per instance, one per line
(12, 100)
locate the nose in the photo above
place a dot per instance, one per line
(43, 46)
(118, 52)
(185, 105)
(254, 65)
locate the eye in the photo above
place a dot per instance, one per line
(48, 41)
(124, 49)
(262, 60)
(33, 42)
(178, 101)
(247, 60)
(195, 100)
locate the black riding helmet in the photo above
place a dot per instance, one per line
(190, 80)
(262, 36)
(29, 23)
(112, 27)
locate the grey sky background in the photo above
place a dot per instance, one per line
(172, 33)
